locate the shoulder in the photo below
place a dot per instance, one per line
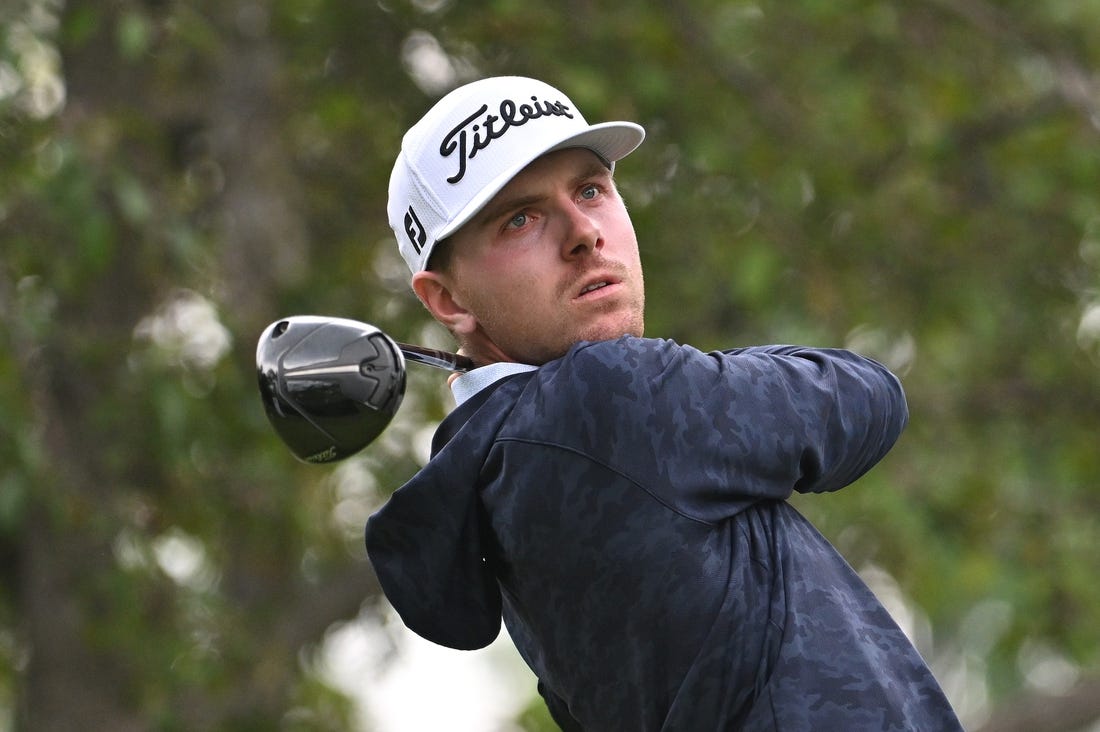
(628, 351)
(627, 359)
(601, 387)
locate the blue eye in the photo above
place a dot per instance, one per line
(517, 221)
(590, 192)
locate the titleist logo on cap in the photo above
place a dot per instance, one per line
(492, 127)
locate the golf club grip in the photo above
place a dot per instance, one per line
(439, 359)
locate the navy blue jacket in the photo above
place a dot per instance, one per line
(624, 508)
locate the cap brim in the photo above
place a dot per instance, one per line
(610, 140)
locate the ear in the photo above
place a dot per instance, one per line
(439, 298)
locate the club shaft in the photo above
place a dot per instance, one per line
(432, 357)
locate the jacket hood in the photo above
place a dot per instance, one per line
(428, 543)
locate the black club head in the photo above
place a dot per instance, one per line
(329, 386)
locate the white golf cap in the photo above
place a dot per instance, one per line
(472, 142)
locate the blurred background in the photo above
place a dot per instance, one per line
(915, 179)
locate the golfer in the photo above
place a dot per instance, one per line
(621, 501)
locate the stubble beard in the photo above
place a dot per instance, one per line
(532, 342)
(631, 322)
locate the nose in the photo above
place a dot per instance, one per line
(582, 234)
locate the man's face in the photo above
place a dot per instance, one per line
(551, 260)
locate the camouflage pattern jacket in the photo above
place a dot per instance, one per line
(624, 509)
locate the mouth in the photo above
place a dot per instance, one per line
(595, 286)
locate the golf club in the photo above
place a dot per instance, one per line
(330, 386)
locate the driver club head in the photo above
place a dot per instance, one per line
(329, 386)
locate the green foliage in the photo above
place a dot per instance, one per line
(917, 180)
(536, 718)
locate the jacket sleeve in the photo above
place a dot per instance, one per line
(427, 546)
(846, 411)
(559, 712)
(426, 551)
(710, 433)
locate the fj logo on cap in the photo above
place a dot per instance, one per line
(492, 127)
(415, 230)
